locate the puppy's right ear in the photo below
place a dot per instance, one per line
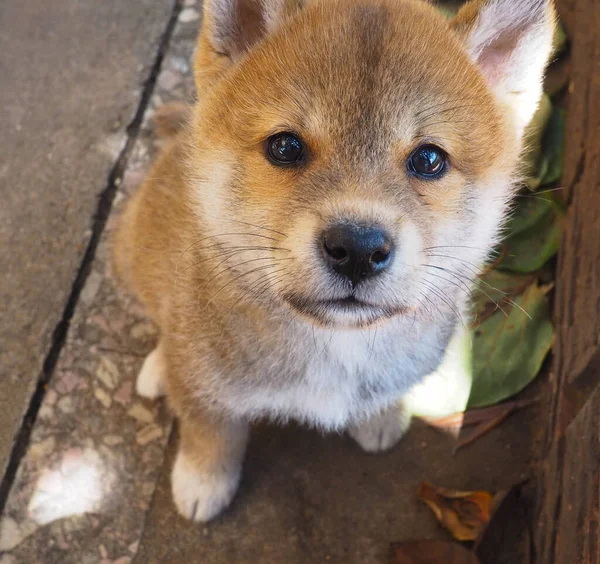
(231, 27)
(510, 42)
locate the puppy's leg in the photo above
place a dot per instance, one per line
(208, 466)
(383, 431)
(150, 382)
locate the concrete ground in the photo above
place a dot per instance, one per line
(86, 463)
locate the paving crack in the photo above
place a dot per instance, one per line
(103, 209)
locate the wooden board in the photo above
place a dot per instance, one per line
(568, 494)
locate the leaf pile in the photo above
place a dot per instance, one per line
(513, 333)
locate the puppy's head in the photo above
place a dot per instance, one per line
(354, 159)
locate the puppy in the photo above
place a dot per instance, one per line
(308, 242)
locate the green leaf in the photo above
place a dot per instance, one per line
(560, 39)
(495, 289)
(534, 232)
(553, 147)
(448, 10)
(532, 153)
(508, 351)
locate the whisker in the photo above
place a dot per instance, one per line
(259, 289)
(248, 224)
(260, 283)
(487, 250)
(428, 304)
(228, 235)
(229, 252)
(464, 287)
(260, 268)
(475, 269)
(461, 277)
(443, 298)
(232, 266)
(504, 294)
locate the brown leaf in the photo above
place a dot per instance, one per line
(464, 514)
(477, 416)
(481, 430)
(431, 552)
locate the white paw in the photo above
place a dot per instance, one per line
(200, 496)
(151, 379)
(381, 432)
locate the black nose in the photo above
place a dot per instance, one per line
(355, 251)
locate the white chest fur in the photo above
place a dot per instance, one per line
(330, 378)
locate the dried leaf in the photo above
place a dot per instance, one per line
(476, 416)
(496, 414)
(464, 514)
(431, 552)
(481, 430)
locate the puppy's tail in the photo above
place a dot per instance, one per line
(168, 120)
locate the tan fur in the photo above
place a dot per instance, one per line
(219, 244)
(170, 119)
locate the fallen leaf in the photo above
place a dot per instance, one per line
(553, 146)
(431, 552)
(495, 417)
(481, 430)
(476, 416)
(560, 39)
(558, 76)
(495, 290)
(509, 349)
(464, 514)
(534, 232)
(532, 141)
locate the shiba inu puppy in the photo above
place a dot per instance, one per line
(308, 242)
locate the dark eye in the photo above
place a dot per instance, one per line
(428, 161)
(285, 149)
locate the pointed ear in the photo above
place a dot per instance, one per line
(233, 26)
(511, 42)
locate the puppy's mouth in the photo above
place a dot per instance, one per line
(348, 311)
(350, 303)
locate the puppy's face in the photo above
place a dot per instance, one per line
(355, 164)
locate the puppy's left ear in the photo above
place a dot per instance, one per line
(229, 30)
(510, 41)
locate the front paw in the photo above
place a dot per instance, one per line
(200, 496)
(381, 432)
